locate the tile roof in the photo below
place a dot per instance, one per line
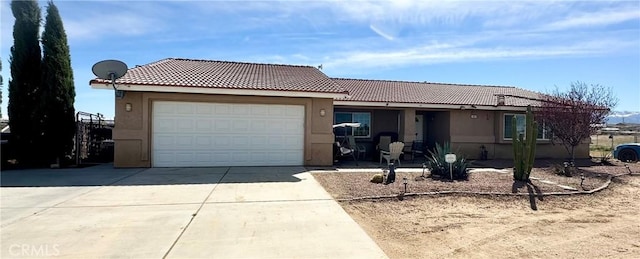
(177, 72)
(361, 90)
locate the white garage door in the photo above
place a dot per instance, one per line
(189, 134)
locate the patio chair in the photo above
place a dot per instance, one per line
(417, 149)
(395, 150)
(345, 152)
(384, 143)
(360, 149)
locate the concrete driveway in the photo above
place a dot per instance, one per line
(250, 212)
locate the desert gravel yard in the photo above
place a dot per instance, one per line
(598, 225)
(357, 185)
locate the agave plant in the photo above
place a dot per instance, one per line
(438, 166)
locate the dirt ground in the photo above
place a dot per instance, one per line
(605, 224)
(600, 225)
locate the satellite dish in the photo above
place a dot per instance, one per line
(110, 70)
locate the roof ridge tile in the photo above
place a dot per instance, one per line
(237, 62)
(423, 82)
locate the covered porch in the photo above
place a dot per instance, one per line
(416, 128)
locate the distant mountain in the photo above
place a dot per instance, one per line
(623, 117)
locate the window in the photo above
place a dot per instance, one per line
(543, 132)
(364, 118)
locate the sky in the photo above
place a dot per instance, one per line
(535, 45)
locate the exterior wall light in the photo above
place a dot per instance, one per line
(323, 112)
(127, 107)
(474, 115)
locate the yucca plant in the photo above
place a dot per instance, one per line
(438, 166)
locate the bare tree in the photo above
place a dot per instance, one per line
(574, 115)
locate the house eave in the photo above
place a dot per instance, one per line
(222, 91)
(430, 106)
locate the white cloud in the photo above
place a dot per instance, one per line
(597, 18)
(108, 25)
(467, 52)
(380, 32)
(417, 56)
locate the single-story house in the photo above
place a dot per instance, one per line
(189, 113)
(470, 117)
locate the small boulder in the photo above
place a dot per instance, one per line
(377, 178)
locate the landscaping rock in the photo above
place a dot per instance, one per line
(377, 178)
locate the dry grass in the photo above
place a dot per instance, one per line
(601, 145)
(601, 225)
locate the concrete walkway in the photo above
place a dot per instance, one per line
(251, 212)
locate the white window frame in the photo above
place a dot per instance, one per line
(353, 129)
(545, 131)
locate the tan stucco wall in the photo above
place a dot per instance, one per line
(132, 132)
(468, 134)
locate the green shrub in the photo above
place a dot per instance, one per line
(439, 167)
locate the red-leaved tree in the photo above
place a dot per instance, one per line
(574, 115)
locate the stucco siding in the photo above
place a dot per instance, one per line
(132, 132)
(469, 134)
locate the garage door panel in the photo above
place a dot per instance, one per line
(185, 125)
(203, 126)
(203, 141)
(258, 110)
(202, 156)
(242, 111)
(184, 142)
(166, 109)
(258, 124)
(240, 156)
(240, 142)
(163, 142)
(293, 142)
(222, 143)
(222, 109)
(164, 158)
(222, 125)
(215, 134)
(165, 125)
(276, 111)
(185, 109)
(184, 157)
(221, 156)
(293, 112)
(258, 141)
(204, 109)
(241, 125)
(275, 141)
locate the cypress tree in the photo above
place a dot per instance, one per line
(24, 86)
(58, 87)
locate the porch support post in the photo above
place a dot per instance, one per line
(408, 133)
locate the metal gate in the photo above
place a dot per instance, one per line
(93, 141)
